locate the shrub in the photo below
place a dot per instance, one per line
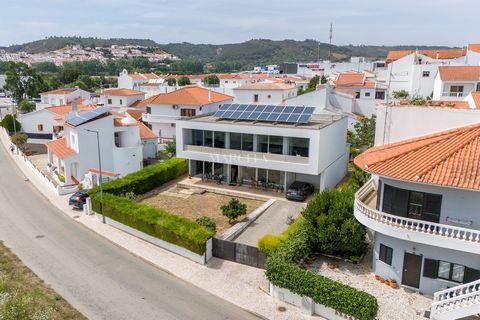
(146, 179)
(233, 209)
(7, 123)
(269, 243)
(400, 94)
(282, 270)
(207, 223)
(154, 222)
(19, 139)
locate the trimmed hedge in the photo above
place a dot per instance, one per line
(154, 222)
(146, 179)
(283, 270)
(269, 243)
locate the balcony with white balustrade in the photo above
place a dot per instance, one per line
(431, 233)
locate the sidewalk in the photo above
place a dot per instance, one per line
(239, 284)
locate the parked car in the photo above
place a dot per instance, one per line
(299, 190)
(78, 199)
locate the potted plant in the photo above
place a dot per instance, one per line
(387, 282)
(239, 182)
(393, 283)
(377, 277)
(382, 280)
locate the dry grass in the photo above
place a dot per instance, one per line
(197, 205)
(25, 296)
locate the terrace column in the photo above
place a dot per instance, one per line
(285, 145)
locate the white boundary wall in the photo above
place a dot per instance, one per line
(202, 259)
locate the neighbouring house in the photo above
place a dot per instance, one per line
(264, 93)
(61, 97)
(456, 82)
(119, 100)
(415, 70)
(122, 140)
(422, 209)
(473, 54)
(264, 152)
(133, 81)
(163, 110)
(42, 123)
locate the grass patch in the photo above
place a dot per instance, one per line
(25, 296)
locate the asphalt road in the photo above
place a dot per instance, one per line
(100, 279)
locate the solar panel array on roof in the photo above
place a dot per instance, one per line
(78, 119)
(268, 113)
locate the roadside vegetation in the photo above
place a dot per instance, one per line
(24, 296)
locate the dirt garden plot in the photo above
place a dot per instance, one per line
(194, 203)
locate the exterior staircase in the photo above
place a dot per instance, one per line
(457, 302)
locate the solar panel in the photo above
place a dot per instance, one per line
(78, 119)
(270, 113)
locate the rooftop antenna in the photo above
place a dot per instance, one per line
(330, 42)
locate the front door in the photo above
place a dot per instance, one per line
(233, 174)
(412, 264)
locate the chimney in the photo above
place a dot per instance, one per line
(209, 95)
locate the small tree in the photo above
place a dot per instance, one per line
(211, 80)
(171, 82)
(19, 139)
(233, 209)
(400, 94)
(170, 148)
(25, 106)
(364, 133)
(323, 80)
(7, 123)
(183, 81)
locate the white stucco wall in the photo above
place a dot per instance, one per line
(30, 121)
(264, 96)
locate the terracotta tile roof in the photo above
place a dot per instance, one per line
(145, 132)
(188, 95)
(356, 80)
(474, 47)
(104, 172)
(476, 99)
(59, 148)
(59, 91)
(120, 92)
(266, 86)
(442, 54)
(137, 76)
(135, 114)
(449, 158)
(61, 111)
(459, 73)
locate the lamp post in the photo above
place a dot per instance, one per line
(100, 169)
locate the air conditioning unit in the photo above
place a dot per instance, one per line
(175, 107)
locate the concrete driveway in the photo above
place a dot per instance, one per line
(273, 220)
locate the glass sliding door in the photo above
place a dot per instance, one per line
(275, 144)
(219, 139)
(298, 146)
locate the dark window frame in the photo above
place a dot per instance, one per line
(385, 254)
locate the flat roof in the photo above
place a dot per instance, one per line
(317, 121)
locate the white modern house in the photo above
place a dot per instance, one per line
(415, 71)
(163, 110)
(121, 140)
(133, 81)
(271, 153)
(61, 97)
(120, 100)
(456, 82)
(264, 93)
(421, 206)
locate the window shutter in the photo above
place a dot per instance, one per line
(430, 268)
(471, 275)
(382, 254)
(389, 256)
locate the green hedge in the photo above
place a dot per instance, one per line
(154, 222)
(283, 270)
(146, 179)
(269, 243)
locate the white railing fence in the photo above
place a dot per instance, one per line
(457, 297)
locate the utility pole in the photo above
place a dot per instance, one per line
(100, 169)
(330, 42)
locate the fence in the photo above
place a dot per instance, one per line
(238, 252)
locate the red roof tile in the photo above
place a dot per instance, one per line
(188, 95)
(449, 158)
(474, 47)
(59, 91)
(59, 148)
(459, 73)
(135, 114)
(441, 53)
(145, 132)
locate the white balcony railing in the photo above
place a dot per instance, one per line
(453, 94)
(456, 302)
(436, 234)
(249, 155)
(147, 117)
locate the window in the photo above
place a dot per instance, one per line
(172, 125)
(121, 101)
(456, 88)
(262, 143)
(298, 146)
(197, 137)
(247, 142)
(426, 74)
(357, 95)
(40, 127)
(219, 139)
(208, 138)
(380, 95)
(269, 96)
(149, 110)
(241, 141)
(187, 112)
(255, 98)
(275, 144)
(478, 86)
(109, 101)
(367, 94)
(385, 254)
(450, 271)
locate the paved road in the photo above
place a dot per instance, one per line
(273, 220)
(100, 279)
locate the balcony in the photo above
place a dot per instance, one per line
(156, 118)
(247, 155)
(436, 234)
(453, 94)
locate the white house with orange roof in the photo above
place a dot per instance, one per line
(119, 99)
(61, 97)
(421, 206)
(264, 93)
(473, 54)
(456, 82)
(163, 110)
(122, 141)
(133, 81)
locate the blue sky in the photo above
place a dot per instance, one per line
(428, 22)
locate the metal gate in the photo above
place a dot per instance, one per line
(238, 252)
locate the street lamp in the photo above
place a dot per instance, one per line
(100, 169)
